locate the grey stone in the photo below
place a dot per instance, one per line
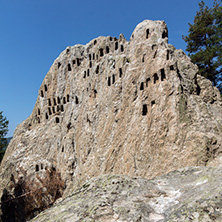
(136, 108)
(189, 194)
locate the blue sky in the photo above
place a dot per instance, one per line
(34, 32)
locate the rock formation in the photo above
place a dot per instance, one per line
(176, 197)
(137, 108)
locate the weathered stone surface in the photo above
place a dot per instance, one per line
(137, 108)
(189, 194)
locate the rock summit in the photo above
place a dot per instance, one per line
(135, 108)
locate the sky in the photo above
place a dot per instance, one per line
(34, 32)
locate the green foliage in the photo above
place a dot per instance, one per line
(204, 42)
(3, 132)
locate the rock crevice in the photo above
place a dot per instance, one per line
(137, 108)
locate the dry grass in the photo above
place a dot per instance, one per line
(27, 197)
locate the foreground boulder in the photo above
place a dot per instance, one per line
(137, 108)
(189, 194)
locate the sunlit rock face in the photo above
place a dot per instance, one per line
(136, 107)
(188, 194)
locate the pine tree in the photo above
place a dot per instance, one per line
(3, 132)
(204, 42)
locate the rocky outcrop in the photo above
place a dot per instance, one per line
(189, 194)
(137, 108)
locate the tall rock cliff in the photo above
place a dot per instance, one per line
(137, 108)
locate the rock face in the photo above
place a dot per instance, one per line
(137, 108)
(190, 194)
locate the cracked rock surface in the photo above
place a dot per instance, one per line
(135, 108)
(188, 194)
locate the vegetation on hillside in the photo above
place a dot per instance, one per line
(29, 195)
(204, 42)
(3, 131)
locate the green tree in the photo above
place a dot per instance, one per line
(3, 132)
(204, 42)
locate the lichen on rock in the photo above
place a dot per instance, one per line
(177, 196)
(136, 108)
